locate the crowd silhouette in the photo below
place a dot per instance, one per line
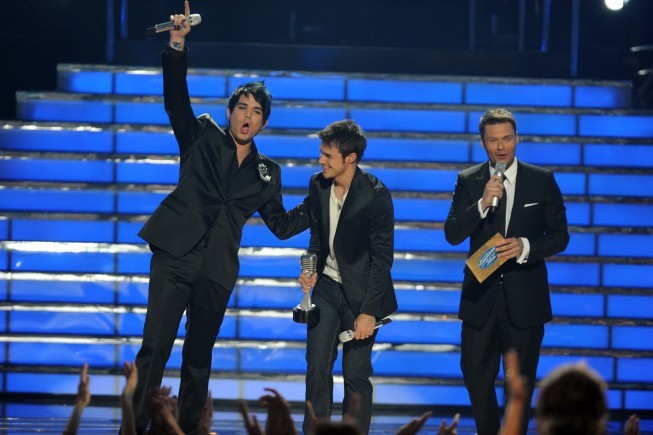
(571, 400)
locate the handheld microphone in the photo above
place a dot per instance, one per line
(499, 169)
(193, 19)
(348, 335)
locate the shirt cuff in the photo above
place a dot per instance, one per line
(523, 258)
(174, 52)
(482, 212)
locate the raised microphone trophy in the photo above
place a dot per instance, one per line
(307, 312)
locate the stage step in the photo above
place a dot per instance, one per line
(314, 115)
(381, 88)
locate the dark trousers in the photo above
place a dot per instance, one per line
(481, 351)
(175, 285)
(322, 351)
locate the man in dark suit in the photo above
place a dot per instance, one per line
(352, 233)
(195, 233)
(508, 309)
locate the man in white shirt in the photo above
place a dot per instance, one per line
(509, 309)
(352, 233)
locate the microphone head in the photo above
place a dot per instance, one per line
(194, 19)
(500, 168)
(308, 262)
(346, 336)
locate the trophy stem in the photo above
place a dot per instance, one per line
(306, 301)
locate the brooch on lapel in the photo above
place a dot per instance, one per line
(263, 172)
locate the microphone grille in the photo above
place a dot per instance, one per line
(500, 167)
(194, 19)
(346, 336)
(308, 262)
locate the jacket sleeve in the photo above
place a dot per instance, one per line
(284, 223)
(176, 99)
(381, 234)
(555, 235)
(463, 215)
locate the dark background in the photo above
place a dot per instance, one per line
(408, 36)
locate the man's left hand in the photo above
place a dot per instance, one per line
(510, 248)
(364, 326)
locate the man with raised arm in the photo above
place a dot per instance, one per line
(195, 233)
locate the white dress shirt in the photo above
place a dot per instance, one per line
(335, 206)
(509, 182)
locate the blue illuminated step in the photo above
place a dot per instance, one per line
(61, 138)
(271, 296)
(278, 145)
(285, 267)
(406, 209)
(315, 115)
(281, 327)
(293, 390)
(297, 177)
(291, 85)
(406, 238)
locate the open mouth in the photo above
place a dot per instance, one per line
(245, 128)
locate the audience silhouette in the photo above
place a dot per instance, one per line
(571, 400)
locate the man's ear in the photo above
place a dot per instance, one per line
(228, 114)
(351, 158)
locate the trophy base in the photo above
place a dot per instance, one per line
(310, 316)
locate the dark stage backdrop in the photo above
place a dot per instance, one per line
(411, 36)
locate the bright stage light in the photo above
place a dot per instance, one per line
(615, 5)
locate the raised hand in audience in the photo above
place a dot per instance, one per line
(415, 425)
(251, 422)
(279, 420)
(517, 385)
(82, 400)
(128, 425)
(163, 411)
(632, 425)
(452, 428)
(204, 428)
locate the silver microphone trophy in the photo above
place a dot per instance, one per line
(306, 312)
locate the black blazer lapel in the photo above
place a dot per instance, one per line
(521, 187)
(481, 178)
(227, 156)
(325, 198)
(352, 195)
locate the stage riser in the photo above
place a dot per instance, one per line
(288, 85)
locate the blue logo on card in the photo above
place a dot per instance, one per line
(488, 258)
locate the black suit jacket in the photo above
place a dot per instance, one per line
(200, 201)
(363, 243)
(538, 214)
